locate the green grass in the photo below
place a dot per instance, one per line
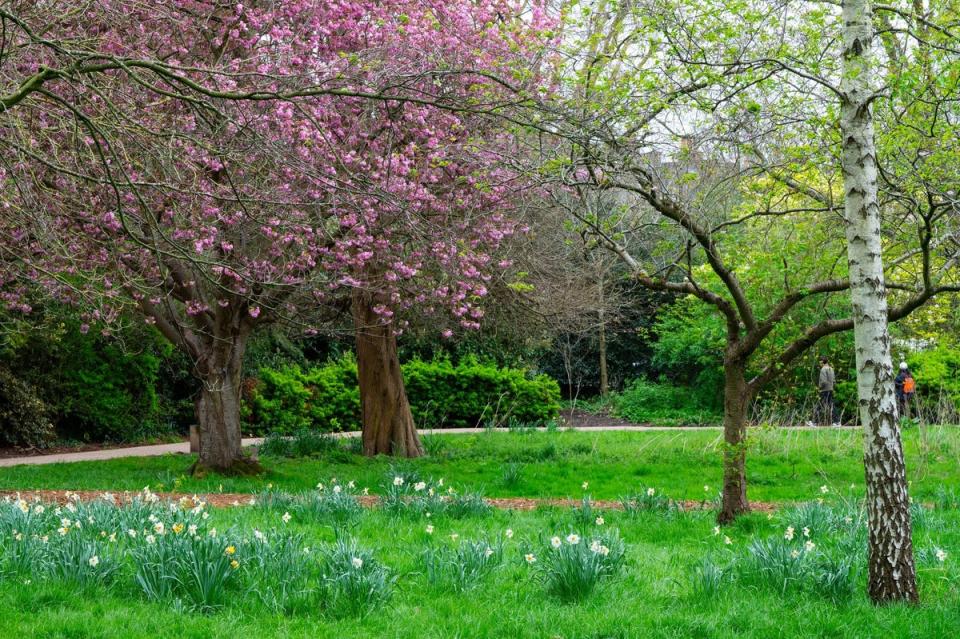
(782, 465)
(654, 595)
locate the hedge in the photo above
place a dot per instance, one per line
(645, 401)
(441, 395)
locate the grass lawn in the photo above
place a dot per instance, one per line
(678, 578)
(782, 465)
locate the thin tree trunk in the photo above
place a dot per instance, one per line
(218, 407)
(736, 400)
(892, 574)
(604, 380)
(387, 422)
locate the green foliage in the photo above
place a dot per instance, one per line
(937, 372)
(24, 419)
(464, 566)
(571, 568)
(289, 399)
(644, 401)
(354, 582)
(469, 393)
(302, 443)
(441, 394)
(95, 387)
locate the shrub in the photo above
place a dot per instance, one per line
(472, 393)
(441, 395)
(645, 401)
(24, 418)
(95, 387)
(937, 372)
(286, 400)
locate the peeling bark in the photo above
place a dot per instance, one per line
(892, 574)
(387, 423)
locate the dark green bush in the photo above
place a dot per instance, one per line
(24, 418)
(95, 388)
(644, 401)
(441, 395)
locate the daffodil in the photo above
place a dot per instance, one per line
(573, 539)
(556, 542)
(94, 561)
(530, 558)
(230, 550)
(357, 563)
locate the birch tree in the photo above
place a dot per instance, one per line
(892, 574)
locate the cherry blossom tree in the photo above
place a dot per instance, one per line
(216, 167)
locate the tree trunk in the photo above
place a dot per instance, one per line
(736, 401)
(218, 406)
(892, 574)
(604, 380)
(387, 422)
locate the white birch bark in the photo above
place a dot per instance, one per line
(892, 575)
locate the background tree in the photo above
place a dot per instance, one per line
(694, 134)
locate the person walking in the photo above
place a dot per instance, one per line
(905, 386)
(826, 382)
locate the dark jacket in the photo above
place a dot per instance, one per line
(898, 382)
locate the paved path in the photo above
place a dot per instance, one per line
(184, 447)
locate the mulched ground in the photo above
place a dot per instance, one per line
(226, 500)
